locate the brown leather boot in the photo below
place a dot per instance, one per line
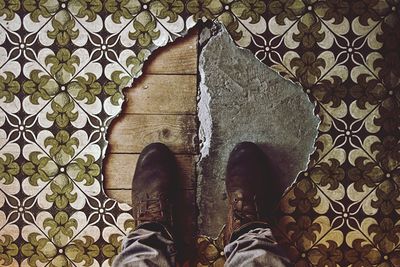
(153, 186)
(245, 176)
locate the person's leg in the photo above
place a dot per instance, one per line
(154, 189)
(254, 245)
(149, 245)
(248, 239)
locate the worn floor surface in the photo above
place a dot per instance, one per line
(247, 101)
(161, 107)
(63, 66)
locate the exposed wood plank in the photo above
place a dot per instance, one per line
(119, 170)
(130, 133)
(124, 195)
(162, 94)
(168, 86)
(177, 58)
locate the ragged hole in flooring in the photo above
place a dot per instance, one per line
(239, 99)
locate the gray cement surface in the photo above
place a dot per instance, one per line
(241, 99)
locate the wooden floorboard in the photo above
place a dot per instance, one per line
(125, 194)
(162, 94)
(125, 164)
(132, 132)
(160, 107)
(177, 58)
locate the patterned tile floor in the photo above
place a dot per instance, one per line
(63, 65)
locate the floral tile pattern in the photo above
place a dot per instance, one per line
(63, 65)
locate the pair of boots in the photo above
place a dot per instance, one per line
(155, 187)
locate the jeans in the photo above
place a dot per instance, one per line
(152, 245)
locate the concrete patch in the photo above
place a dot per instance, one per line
(241, 99)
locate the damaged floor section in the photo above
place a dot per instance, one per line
(241, 99)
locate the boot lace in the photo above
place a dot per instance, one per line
(153, 208)
(244, 209)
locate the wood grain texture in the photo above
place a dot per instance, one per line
(119, 170)
(162, 94)
(125, 195)
(132, 132)
(161, 107)
(177, 58)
